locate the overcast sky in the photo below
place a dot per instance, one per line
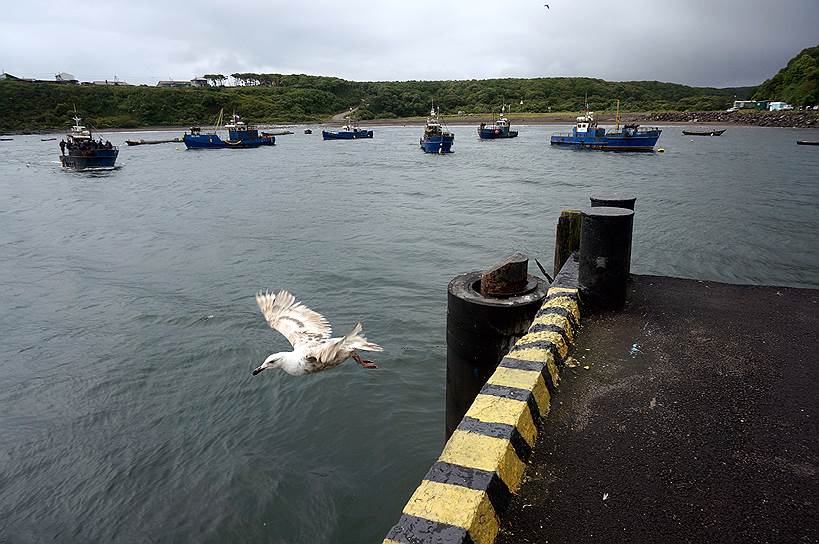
(696, 42)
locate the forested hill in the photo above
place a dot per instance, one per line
(271, 98)
(797, 83)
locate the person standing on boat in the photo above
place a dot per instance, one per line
(62, 147)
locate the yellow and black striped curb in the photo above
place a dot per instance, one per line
(481, 467)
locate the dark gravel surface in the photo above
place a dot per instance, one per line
(694, 422)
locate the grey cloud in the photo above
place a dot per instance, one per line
(718, 43)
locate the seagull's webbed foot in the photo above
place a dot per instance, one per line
(363, 362)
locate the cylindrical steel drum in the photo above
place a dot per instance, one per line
(605, 250)
(480, 331)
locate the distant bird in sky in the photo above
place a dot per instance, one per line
(547, 6)
(309, 334)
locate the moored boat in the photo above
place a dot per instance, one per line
(436, 138)
(81, 152)
(587, 135)
(712, 132)
(240, 136)
(807, 142)
(350, 131)
(308, 131)
(501, 128)
(152, 142)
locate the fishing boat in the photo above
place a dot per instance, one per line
(81, 151)
(240, 136)
(308, 131)
(713, 132)
(350, 131)
(436, 138)
(499, 129)
(587, 135)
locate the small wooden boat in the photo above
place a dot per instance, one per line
(152, 142)
(47, 139)
(276, 132)
(807, 142)
(6, 139)
(713, 132)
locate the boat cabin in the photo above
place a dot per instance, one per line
(239, 130)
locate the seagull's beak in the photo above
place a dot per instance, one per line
(257, 370)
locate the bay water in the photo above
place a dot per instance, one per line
(128, 326)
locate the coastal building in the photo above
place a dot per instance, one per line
(114, 81)
(199, 82)
(778, 106)
(65, 77)
(173, 83)
(751, 104)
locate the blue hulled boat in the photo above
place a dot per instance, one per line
(436, 139)
(587, 135)
(350, 131)
(500, 129)
(81, 152)
(240, 136)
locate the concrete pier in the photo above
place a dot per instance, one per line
(689, 416)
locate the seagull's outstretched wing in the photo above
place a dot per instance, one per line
(298, 323)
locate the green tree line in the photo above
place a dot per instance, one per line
(275, 98)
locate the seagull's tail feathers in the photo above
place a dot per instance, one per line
(356, 340)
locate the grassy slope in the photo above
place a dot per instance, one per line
(797, 83)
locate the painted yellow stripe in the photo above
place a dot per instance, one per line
(565, 303)
(390, 541)
(538, 355)
(557, 321)
(492, 409)
(556, 290)
(544, 336)
(486, 453)
(455, 505)
(524, 379)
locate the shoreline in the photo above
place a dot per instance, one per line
(791, 119)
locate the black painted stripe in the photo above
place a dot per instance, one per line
(558, 310)
(515, 393)
(503, 431)
(573, 296)
(472, 478)
(541, 344)
(540, 327)
(511, 362)
(518, 364)
(415, 530)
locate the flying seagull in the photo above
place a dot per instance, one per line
(309, 334)
(547, 6)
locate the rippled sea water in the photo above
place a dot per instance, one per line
(129, 328)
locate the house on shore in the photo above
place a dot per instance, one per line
(195, 82)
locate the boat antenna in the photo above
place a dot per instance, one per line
(617, 117)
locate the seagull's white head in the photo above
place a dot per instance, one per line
(273, 361)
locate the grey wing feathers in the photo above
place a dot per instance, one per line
(298, 323)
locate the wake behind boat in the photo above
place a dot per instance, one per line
(240, 136)
(81, 152)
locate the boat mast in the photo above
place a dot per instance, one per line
(617, 117)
